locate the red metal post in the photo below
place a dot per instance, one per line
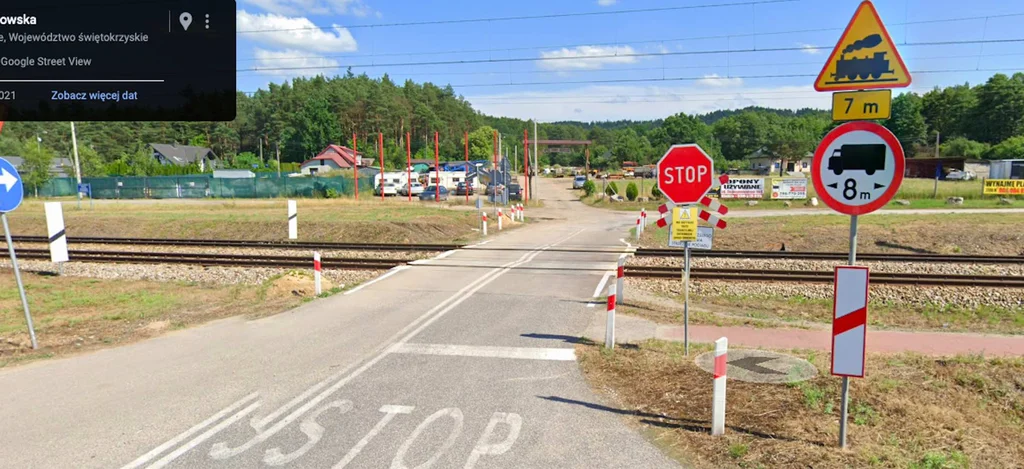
(380, 151)
(467, 166)
(526, 165)
(437, 172)
(408, 166)
(355, 164)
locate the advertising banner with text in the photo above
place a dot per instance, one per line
(789, 188)
(1004, 187)
(743, 188)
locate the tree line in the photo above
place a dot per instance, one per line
(301, 117)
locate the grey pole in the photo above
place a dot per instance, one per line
(78, 168)
(686, 300)
(17, 278)
(844, 403)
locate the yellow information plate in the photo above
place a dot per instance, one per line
(861, 105)
(684, 224)
(1003, 187)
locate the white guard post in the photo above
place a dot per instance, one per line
(293, 220)
(609, 332)
(620, 278)
(483, 223)
(718, 404)
(499, 219)
(316, 273)
(55, 232)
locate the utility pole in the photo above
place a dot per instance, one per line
(78, 169)
(261, 150)
(536, 136)
(278, 145)
(935, 190)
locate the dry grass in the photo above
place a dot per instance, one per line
(910, 411)
(73, 314)
(983, 234)
(370, 221)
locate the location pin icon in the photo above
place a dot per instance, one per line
(185, 19)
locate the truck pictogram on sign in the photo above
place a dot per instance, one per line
(868, 158)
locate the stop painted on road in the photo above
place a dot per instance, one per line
(761, 366)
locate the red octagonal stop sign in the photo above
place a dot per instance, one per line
(685, 174)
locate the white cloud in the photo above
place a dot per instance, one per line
(294, 32)
(715, 81)
(293, 62)
(597, 103)
(313, 7)
(809, 49)
(606, 3)
(576, 58)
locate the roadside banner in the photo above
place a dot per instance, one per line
(743, 188)
(789, 188)
(1004, 187)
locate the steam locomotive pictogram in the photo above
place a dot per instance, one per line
(867, 68)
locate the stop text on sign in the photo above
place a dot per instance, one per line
(688, 174)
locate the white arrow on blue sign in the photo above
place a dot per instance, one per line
(11, 189)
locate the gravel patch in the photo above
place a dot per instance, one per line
(968, 297)
(829, 265)
(186, 273)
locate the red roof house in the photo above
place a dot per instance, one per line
(334, 157)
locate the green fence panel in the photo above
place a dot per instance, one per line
(194, 187)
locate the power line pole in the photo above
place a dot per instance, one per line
(78, 169)
(536, 137)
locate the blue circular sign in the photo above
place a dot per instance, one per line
(11, 189)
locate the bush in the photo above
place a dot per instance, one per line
(655, 192)
(631, 191)
(612, 189)
(589, 188)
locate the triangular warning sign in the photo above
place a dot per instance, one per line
(864, 58)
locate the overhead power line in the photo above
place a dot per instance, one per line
(610, 56)
(626, 43)
(527, 17)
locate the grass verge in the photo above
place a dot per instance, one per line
(910, 411)
(369, 221)
(74, 314)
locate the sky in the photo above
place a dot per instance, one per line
(593, 60)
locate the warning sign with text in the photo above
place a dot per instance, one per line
(789, 188)
(1004, 187)
(743, 188)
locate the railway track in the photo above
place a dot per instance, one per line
(833, 256)
(245, 244)
(889, 278)
(202, 259)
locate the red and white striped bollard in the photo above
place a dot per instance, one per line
(316, 273)
(718, 401)
(620, 278)
(609, 332)
(499, 219)
(483, 223)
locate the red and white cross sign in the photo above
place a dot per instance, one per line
(850, 321)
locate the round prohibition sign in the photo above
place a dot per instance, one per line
(858, 168)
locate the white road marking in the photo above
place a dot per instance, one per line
(483, 447)
(626, 243)
(187, 433)
(455, 414)
(479, 244)
(222, 451)
(313, 430)
(390, 412)
(600, 285)
(445, 254)
(591, 305)
(393, 271)
(203, 437)
(487, 351)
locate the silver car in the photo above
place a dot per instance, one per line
(578, 181)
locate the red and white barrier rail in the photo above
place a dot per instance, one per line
(316, 273)
(718, 400)
(714, 205)
(609, 331)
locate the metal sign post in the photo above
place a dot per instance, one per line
(844, 403)
(686, 299)
(12, 191)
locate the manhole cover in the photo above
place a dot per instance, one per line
(761, 366)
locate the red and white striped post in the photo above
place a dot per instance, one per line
(637, 230)
(522, 213)
(609, 331)
(718, 404)
(643, 220)
(499, 219)
(483, 222)
(620, 277)
(316, 273)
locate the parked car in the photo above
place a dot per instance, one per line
(416, 189)
(957, 175)
(464, 188)
(578, 181)
(389, 188)
(515, 192)
(489, 190)
(432, 192)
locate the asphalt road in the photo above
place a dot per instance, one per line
(463, 361)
